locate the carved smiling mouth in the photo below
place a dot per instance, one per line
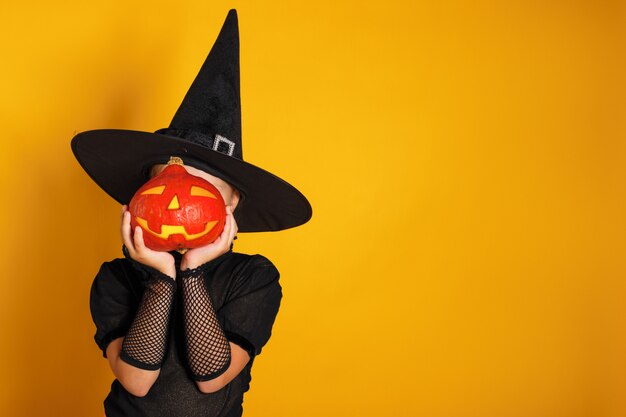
(168, 230)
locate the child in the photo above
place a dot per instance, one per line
(181, 332)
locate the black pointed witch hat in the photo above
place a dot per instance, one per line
(206, 133)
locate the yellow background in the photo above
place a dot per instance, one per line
(466, 166)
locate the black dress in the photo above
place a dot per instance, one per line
(246, 293)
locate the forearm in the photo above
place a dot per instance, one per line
(135, 380)
(145, 342)
(208, 349)
(137, 358)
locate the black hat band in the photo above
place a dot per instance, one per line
(217, 142)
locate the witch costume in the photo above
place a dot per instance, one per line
(183, 327)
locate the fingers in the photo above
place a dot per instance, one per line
(225, 238)
(233, 224)
(124, 208)
(198, 256)
(125, 231)
(228, 225)
(135, 245)
(138, 239)
(230, 230)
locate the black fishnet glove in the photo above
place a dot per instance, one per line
(208, 350)
(144, 344)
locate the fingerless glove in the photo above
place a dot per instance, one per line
(146, 339)
(208, 350)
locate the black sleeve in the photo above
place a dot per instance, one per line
(253, 304)
(113, 301)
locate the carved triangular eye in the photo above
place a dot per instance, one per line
(174, 204)
(201, 192)
(154, 190)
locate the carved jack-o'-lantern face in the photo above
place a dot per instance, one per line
(177, 210)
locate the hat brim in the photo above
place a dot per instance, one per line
(119, 161)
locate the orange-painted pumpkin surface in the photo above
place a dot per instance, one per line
(177, 210)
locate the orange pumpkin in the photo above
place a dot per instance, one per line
(177, 210)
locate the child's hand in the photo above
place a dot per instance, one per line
(161, 261)
(193, 258)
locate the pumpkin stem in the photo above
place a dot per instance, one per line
(175, 160)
